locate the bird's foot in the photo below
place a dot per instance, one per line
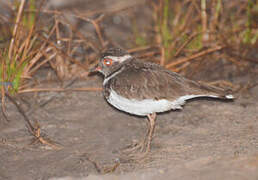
(137, 151)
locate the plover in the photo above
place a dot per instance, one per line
(144, 89)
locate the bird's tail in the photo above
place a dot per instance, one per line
(219, 92)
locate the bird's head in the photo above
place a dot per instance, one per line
(112, 60)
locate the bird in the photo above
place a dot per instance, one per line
(143, 88)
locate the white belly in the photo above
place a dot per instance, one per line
(147, 106)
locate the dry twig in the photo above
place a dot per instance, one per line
(35, 131)
(18, 19)
(203, 53)
(58, 89)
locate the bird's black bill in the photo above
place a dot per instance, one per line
(94, 70)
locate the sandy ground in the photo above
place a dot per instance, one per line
(206, 140)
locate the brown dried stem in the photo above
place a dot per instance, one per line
(203, 53)
(59, 89)
(18, 19)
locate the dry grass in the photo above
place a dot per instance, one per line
(184, 31)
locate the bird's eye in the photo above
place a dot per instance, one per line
(107, 62)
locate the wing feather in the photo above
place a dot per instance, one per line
(151, 81)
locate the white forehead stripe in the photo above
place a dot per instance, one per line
(120, 58)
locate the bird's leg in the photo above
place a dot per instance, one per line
(145, 145)
(142, 144)
(151, 119)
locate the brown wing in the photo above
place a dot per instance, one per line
(151, 81)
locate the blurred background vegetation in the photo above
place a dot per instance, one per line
(60, 39)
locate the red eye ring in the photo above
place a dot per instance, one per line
(107, 62)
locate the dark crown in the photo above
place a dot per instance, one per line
(114, 52)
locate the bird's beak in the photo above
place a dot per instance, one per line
(96, 68)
